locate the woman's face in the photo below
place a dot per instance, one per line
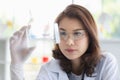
(74, 40)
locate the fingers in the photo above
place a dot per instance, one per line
(31, 49)
(22, 31)
(11, 40)
(19, 35)
(25, 28)
(25, 34)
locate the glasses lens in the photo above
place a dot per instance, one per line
(75, 35)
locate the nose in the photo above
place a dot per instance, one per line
(70, 41)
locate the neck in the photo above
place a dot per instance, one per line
(76, 66)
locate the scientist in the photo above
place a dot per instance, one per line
(78, 55)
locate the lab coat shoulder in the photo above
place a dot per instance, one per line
(109, 68)
(52, 71)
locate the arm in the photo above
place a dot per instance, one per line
(16, 72)
(19, 53)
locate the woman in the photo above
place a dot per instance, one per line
(78, 55)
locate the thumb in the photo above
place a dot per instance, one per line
(31, 49)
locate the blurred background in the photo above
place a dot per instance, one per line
(16, 13)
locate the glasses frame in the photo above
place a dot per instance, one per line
(74, 35)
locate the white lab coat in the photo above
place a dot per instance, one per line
(107, 69)
(52, 71)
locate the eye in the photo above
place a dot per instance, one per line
(63, 33)
(78, 33)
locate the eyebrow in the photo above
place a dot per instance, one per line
(73, 30)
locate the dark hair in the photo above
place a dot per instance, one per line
(92, 56)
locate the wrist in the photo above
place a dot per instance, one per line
(14, 63)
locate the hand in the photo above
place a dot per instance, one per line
(19, 46)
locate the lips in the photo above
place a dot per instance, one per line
(70, 50)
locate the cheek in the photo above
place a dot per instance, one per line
(61, 45)
(83, 45)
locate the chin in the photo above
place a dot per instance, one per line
(72, 58)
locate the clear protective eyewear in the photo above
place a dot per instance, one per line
(76, 35)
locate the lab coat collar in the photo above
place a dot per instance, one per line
(55, 67)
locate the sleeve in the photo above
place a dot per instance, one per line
(111, 71)
(16, 71)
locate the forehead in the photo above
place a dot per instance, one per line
(70, 24)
